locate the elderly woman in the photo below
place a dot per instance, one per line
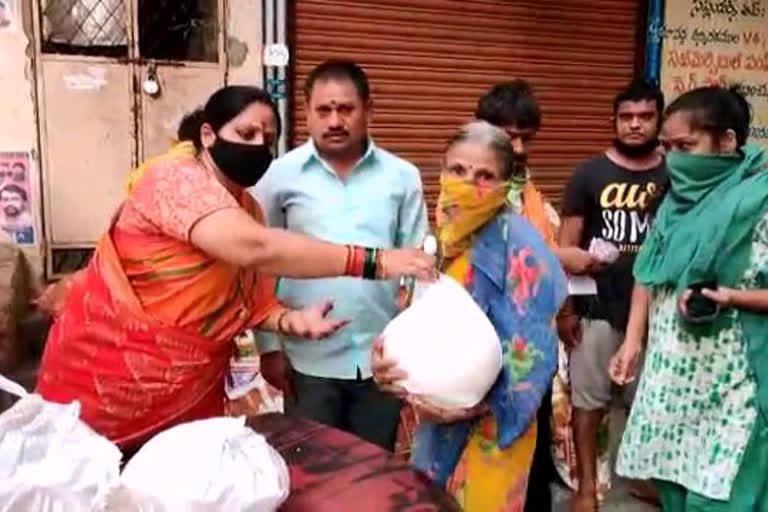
(483, 455)
(144, 336)
(698, 424)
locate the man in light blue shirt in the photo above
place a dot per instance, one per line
(341, 187)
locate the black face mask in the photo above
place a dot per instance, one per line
(244, 164)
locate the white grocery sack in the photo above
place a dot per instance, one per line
(50, 461)
(446, 345)
(212, 464)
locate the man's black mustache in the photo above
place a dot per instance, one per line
(335, 133)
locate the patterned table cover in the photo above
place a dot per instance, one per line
(333, 471)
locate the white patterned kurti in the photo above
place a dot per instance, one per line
(696, 403)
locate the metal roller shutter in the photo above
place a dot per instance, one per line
(429, 61)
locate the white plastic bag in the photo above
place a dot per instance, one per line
(213, 464)
(50, 461)
(446, 345)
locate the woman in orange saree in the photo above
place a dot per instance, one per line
(144, 335)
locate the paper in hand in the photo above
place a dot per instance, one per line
(605, 251)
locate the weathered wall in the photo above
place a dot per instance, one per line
(244, 42)
(18, 122)
(18, 128)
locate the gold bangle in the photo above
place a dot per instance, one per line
(381, 273)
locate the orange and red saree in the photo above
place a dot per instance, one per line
(143, 338)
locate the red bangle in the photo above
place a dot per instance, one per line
(359, 261)
(348, 263)
(356, 262)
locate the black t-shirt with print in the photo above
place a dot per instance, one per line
(618, 205)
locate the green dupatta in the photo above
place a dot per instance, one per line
(703, 232)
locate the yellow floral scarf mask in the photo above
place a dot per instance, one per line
(462, 209)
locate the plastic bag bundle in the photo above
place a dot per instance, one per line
(446, 345)
(213, 464)
(50, 461)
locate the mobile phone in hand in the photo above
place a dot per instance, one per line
(700, 308)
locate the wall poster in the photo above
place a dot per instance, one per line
(8, 14)
(718, 42)
(16, 218)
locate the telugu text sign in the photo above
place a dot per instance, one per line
(718, 42)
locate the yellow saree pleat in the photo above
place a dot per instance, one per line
(488, 479)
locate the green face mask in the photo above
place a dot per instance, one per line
(693, 176)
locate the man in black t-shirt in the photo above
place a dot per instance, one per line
(612, 197)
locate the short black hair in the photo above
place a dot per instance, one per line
(14, 189)
(510, 103)
(339, 70)
(640, 90)
(716, 110)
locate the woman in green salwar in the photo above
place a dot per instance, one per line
(698, 425)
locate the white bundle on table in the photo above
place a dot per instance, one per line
(213, 464)
(446, 345)
(50, 461)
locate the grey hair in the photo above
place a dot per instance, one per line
(491, 137)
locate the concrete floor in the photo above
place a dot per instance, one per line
(618, 499)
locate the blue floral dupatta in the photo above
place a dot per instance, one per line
(518, 282)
